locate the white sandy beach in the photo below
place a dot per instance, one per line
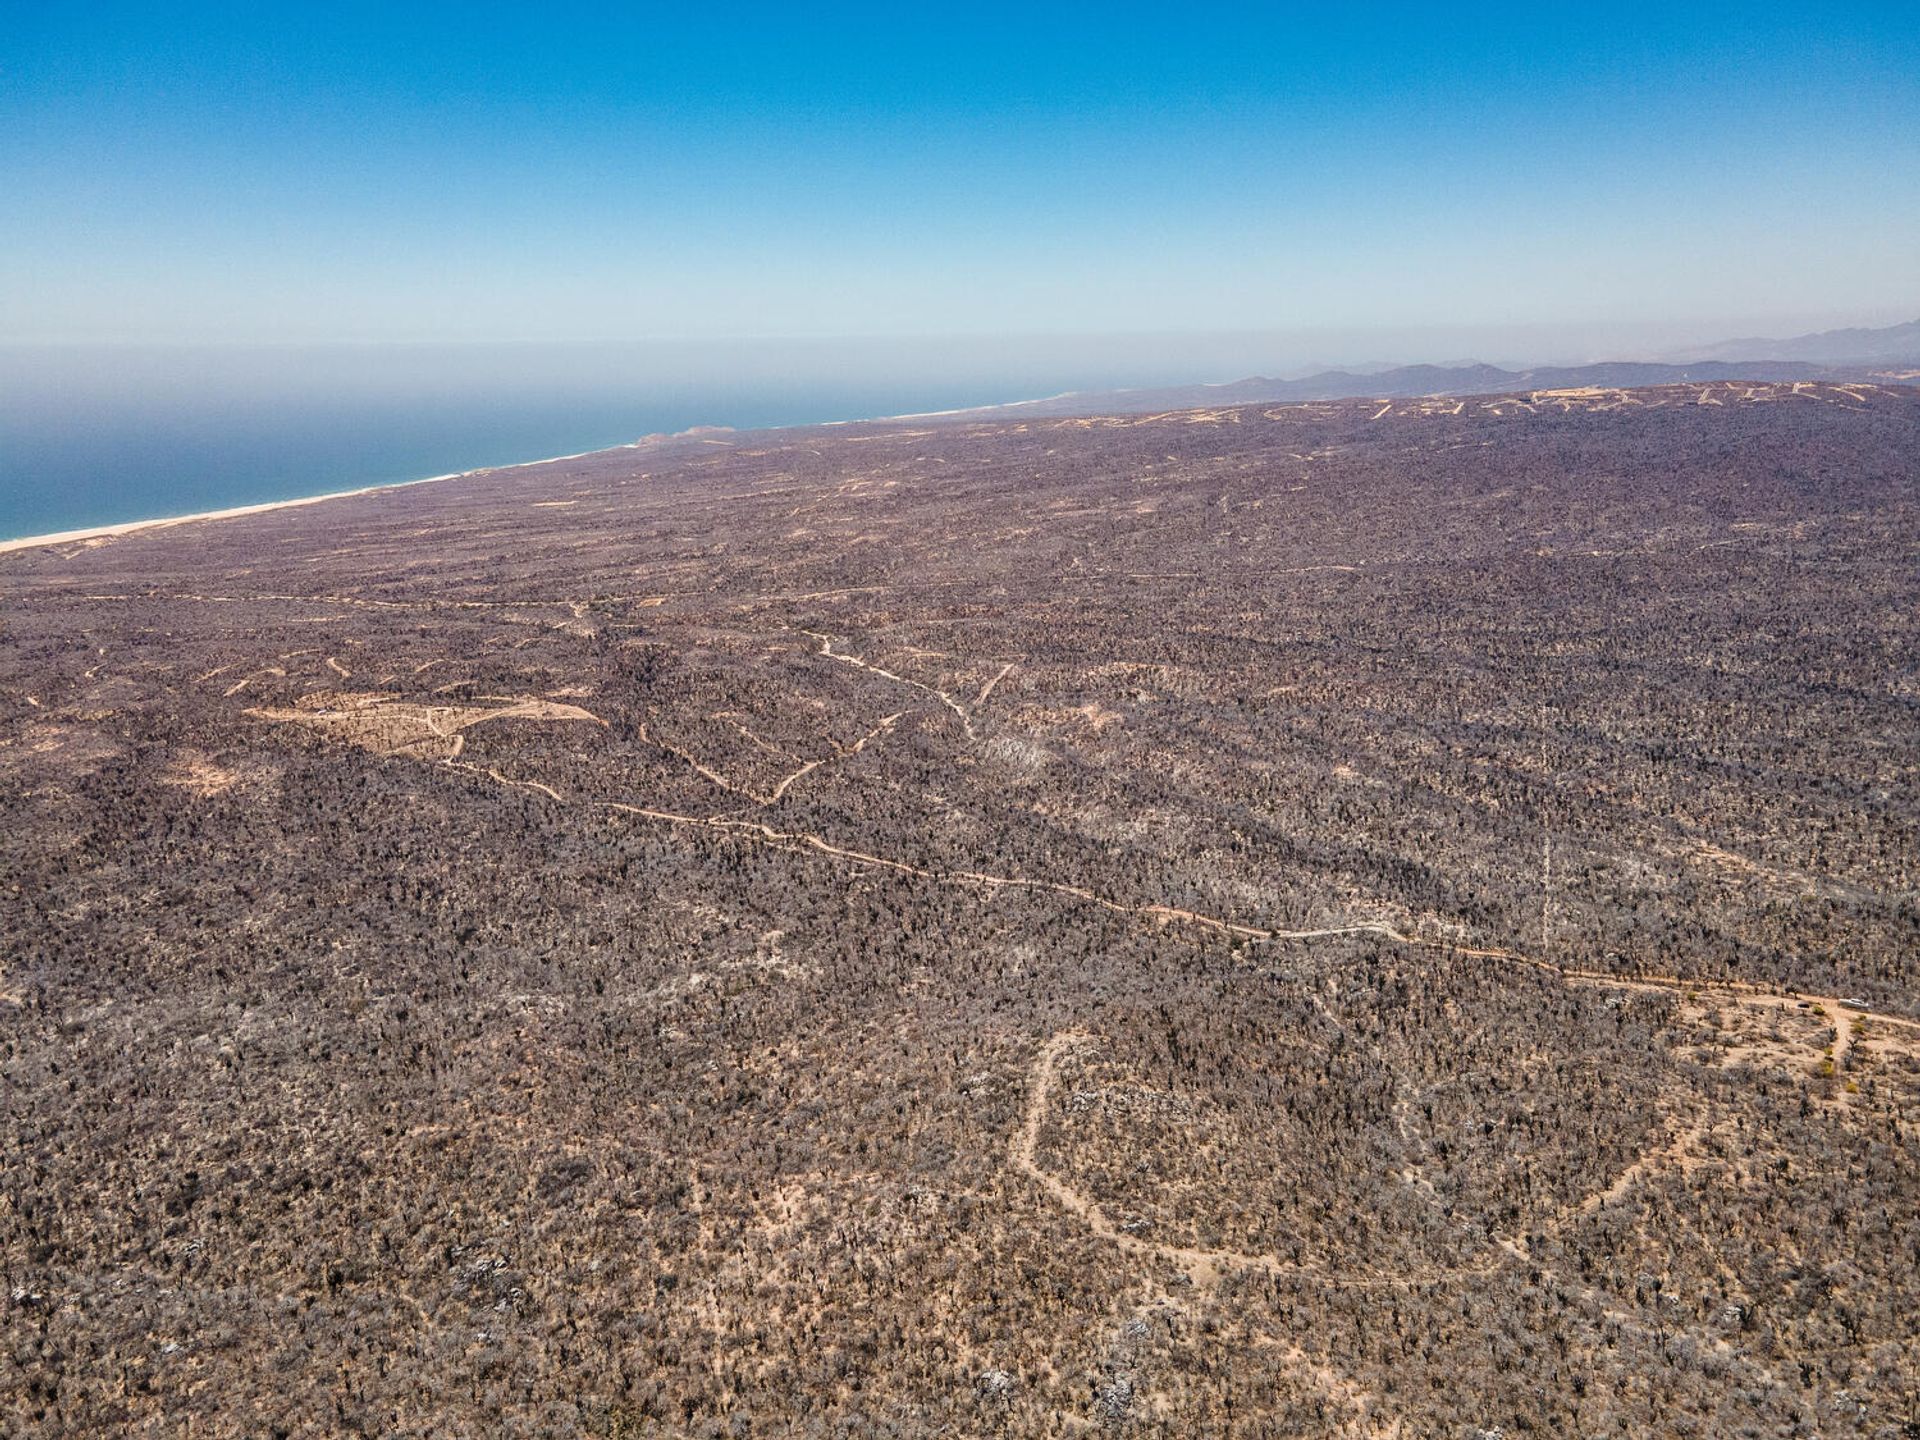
(94, 534)
(964, 410)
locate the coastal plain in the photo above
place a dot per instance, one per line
(1364, 918)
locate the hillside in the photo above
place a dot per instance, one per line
(1352, 918)
(1403, 382)
(1895, 345)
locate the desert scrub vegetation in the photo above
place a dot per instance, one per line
(1343, 919)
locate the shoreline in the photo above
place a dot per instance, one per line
(96, 534)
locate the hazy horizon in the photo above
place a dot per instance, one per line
(99, 434)
(1092, 360)
(254, 255)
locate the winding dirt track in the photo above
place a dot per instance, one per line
(1207, 1266)
(802, 841)
(826, 649)
(1204, 1265)
(986, 690)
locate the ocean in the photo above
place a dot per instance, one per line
(94, 437)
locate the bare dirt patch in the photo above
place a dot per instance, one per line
(197, 773)
(389, 726)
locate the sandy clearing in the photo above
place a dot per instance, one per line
(196, 773)
(390, 726)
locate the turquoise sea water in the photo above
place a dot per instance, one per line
(98, 436)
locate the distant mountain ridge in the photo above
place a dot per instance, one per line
(1892, 353)
(1889, 345)
(1411, 380)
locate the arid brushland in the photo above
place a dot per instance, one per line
(1385, 917)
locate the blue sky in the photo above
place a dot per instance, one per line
(572, 173)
